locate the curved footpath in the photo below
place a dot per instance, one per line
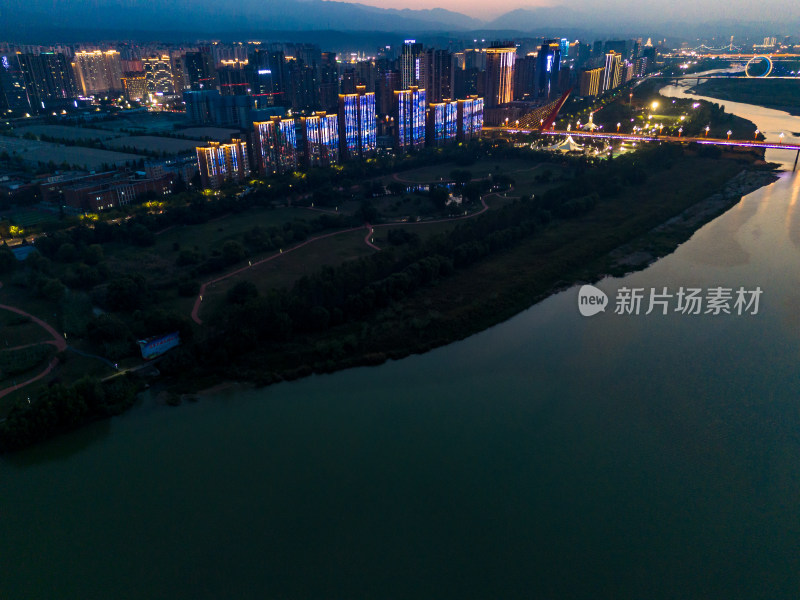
(370, 228)
(58, 341)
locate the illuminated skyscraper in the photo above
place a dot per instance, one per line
(409, 118)
(158, 75)
(548, 64)
(13, 95)
(442, 124)
(97, 72)
(469, 118)
(47, 78)
(276, 145)
(357, 131)
(320, 134)
(219, 163)
(410, 64)
(590, 81)
(135, 86)
(612, 73)
(200, 71)
(500, 73)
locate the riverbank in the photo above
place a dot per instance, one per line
(619, 235)
(778, 94)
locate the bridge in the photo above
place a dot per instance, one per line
(630, 137)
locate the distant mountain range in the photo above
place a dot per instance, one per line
(45, 20)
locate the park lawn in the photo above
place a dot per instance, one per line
(284, 270)
(216, 231)
(479, 170)
(14, 332)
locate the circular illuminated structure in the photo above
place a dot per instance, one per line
(758, 59)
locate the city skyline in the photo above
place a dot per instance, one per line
(36, 19)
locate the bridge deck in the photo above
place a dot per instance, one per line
(655, 138)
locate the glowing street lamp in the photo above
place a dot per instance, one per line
(781, 137)
(618, 126)
(630, 98)
(707, 130)
(680, 131)
(729, 133)
(755, 135)
(654, 105)
(660, 127)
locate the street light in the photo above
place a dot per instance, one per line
(654, 105)
(755, 135)
(781, 137)
(729, 133)
(618, 126)
(680, 131)
(660, 127)
(707, 130)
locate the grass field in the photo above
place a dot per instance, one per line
(284, 270)
(34, 152)
(154, 143)
(214, 232)
(29, 218)
(219, 134)
(66, 132)
(480, 170)
(780, 94)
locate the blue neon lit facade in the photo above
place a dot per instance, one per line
(470, 118)
(357, 124)
(409, 118)
(321, 132)
(442, 125)
(276, 143)
(218, 163)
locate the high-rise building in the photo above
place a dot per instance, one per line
(409, 118)
(439, 83)
(329, 82)
(442, 126)
(303, 85)
(135, 85)
(612, 71)
(410, 64)
(357, 127)
(388, 84)
(97, 72)
(500, 57)
(525, 77)
(590, 81)
(13, 95)
(469, 118)
(233, 78)
(276, 145)
(219, 163)
(178, 68)
(200, 71)
(158, 75)
(47, 79)
(548, 64)
(320, 139)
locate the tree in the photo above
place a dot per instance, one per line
(242, 292)
(232, 252)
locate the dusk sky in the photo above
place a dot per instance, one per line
(743, 10)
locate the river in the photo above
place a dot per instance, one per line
(552, 456)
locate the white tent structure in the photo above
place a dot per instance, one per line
(565, 145)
